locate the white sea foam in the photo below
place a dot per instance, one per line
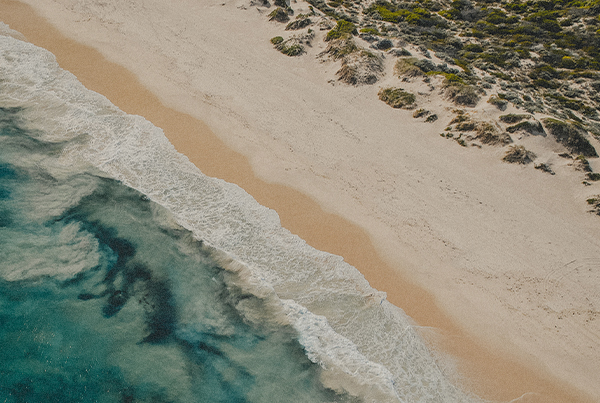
(366, 345)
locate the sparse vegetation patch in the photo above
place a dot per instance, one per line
(343, 29)
(593, 176)
(420, 113)
(406, 67)
(460, 94)
(360, 67)
(571, 136)
(298, 23)
(488, 134)
(518, 155)
(290, 47)
(341, 48)
(279, 15)
(397, 98)
(594, 202)
(544, 168)
(537, 56)
(513, 118)
(498, 102)
(534, 128)
(431, 118)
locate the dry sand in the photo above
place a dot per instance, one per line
(501, 261)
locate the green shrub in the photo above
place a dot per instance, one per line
(545, 72)
(565, 102)
(473, 47)
(343, 29)
(571, 136)
(370, 31)
(276, 40)
(293, 50)
(397, 98)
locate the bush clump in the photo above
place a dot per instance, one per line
(397, 98)
(518, 155)
(290, 47)
(419, 113)
(593, 176)
(431, 118)
(460, 94)
(279, 15)
(341, 48)
(343, 29)
(466, 126)
(488, 134)
(544, 168)
(571, 136)
(298, 24)
(594, 202)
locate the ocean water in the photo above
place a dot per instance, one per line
(128, 275)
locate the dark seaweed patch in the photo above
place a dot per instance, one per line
(162, 314)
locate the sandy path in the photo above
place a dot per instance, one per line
(484, 238)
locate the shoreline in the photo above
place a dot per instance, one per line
(494, 376)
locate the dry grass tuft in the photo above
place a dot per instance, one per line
(488, 134)
(360, 68)
(405, 67)
(461, 94)
(518, 155)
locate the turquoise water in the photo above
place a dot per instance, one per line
(103, 299)
(126, 275)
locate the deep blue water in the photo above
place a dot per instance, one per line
(104, 299)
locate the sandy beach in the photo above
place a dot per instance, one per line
(498, 264)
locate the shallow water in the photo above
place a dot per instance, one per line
(128, 275)
(103, 298)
